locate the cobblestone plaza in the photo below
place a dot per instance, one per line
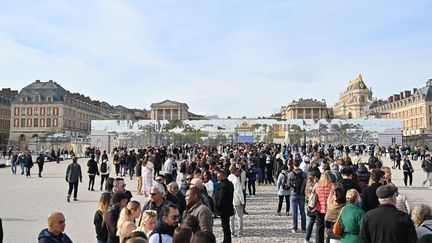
(25, 204)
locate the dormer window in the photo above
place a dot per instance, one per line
(36, 98)
(49, 99)
(24, 99)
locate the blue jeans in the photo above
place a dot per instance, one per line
(22, 168)
(13, 167)
(100, 241)
(309, 227)
(298, 203)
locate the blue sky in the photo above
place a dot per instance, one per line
(229, 58)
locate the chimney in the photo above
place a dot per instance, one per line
(37, 81)
(414, 90)
(407, 94)
(429, 82)
(50, 81)
(396, 97)
(402, 95)
(390, 99)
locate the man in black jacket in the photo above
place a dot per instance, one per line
(119, 201)
(386, 223)
(223, 204)
(54, 232)
(347, 180)
(369, 197)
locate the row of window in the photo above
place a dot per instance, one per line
(35, 122)
(4, 124)
(400, 103)
(82, 116)
(5, 112)
(410, 112)
(415, 123)
(37, 98)
(36, 111)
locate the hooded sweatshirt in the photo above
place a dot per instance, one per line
(47, 237)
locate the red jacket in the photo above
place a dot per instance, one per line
(322, 193)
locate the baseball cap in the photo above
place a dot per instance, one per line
(385, 191)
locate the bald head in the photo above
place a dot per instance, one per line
(56, 223)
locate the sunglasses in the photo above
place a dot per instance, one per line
(159, 179)
(153, 194)
(176, 217)
(188, 179)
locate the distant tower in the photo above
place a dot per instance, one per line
(353, 100)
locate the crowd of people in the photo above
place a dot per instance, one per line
(324, 186)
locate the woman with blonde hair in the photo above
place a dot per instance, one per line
(126, 221)
(422, 219)
(148, 222)
(147, 175)
(351, 217)
(322, 188)
(100, 217)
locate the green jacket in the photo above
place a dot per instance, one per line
(352, 219)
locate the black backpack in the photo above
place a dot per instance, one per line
(296, 181)
(104, 167)
(285, 184)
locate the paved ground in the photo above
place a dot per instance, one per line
(25, 203)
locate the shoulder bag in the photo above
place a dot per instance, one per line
(337, 227)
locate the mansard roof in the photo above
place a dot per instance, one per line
(5, 100)
(427, 92)
(42, 90)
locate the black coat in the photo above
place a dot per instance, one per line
(224, 199)
(387, 224)
(92, 167)
(369, 197)
(28, 161)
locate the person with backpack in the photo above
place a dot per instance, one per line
(427, 168)
(104, 171)
(283, 190)
(297, 179)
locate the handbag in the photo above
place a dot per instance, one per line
(312, 202)
(337, 227)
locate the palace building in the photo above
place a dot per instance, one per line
(306, 109)
(45, 110)
(353, 100)
(169, 110)
(413, 109)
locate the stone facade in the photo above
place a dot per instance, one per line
(169, 110)
(123, 113)
(353, 100)
(413, 109)
(42, 109)
(6, 96)
(305, 109)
